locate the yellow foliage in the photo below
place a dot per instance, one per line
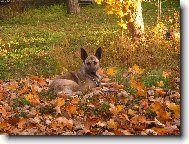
(160, 84)
(120, 8)
(116, 109)
(112, 71)
(123, 25)
(111, 124)
(137, 69)
(131, 112)
(175, 108)
(99, 1)
(60, 102)
(110, 12)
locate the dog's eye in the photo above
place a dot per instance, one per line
(95, 63)
(88, 63)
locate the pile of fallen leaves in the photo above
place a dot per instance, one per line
(27, 108)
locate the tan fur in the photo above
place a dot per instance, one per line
(82, 80)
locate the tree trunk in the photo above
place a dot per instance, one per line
(73, 6)
(136, 28)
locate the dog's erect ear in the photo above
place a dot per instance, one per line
(84, 54)
(98, 53)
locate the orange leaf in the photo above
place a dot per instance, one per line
(156, 106)
(35, 101)
(141, 93)
(136, 84)
(4, 126)
(163, 115)
(72, 109)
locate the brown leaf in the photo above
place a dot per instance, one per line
(21, 123)
(138, 122)
(3, 111)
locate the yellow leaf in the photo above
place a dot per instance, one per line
(60, 102)
(131, 20)
(111, 124)
(137, 69)
(115, 109)
(120, 13)
(112, 71)
(29, 96)
(131, 112)
(98, 1)
(110, 12)
(122, 24)
(119, 108)
(160, 84)
(175, 108)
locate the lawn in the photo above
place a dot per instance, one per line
(35, 42)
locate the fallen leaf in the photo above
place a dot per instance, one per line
(60, 102)
(72, 109)
(112, 71)
(111, 124)
(175, 108)
(160, 84)
(131, 112)
(137, 69)
(156, 106)
(137, 84)
(141, 93)
(163, 115)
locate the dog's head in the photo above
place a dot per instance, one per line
(91, 62)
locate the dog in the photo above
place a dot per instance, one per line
(82, 80)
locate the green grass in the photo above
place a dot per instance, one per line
(43, 40)
(20, 102)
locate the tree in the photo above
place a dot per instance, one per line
(136, 27)
(129, 13)
(73, 6)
